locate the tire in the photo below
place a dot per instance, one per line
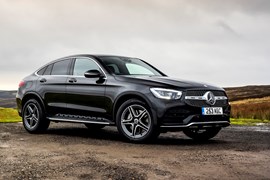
(94, 126)
(135, 122)
(33, 116)
(202, 134)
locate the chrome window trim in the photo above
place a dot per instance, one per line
(70, 75)
(52, 62)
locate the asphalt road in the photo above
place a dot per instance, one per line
(70, 151)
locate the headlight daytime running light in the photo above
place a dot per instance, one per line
(168, 94)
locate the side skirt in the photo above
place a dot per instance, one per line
(80, 119)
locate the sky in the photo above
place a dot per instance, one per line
(226, 43)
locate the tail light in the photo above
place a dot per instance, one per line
(21, 84)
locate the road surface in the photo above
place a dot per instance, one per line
(70, 151)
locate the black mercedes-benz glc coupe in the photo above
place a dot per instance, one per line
(103, 90)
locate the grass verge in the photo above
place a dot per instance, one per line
(249, 122)
(8, 115)
(258, 108)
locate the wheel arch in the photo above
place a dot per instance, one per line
(132, 95)
(33, 95)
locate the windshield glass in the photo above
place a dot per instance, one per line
(128, 66)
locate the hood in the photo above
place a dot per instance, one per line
(164, 81)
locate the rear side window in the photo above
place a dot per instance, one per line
(60, 68)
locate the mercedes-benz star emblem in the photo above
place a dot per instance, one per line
(210, 98)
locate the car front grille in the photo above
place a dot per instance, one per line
(203, 103)
(202, 92)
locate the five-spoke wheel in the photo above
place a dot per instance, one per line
(33, 117)
(134, 120)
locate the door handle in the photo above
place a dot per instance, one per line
(72, 80)
(43, 80)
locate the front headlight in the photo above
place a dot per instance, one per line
(166, 93)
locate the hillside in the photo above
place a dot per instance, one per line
(255, 108)
(8, 99)
(250, 102)
(247, 92)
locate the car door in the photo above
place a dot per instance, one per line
(51, 85)
(85, 96)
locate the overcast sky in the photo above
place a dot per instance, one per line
(222, 42)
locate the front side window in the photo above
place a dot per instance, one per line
(60, 68)
(82, 65)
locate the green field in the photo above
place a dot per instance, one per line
(9, 115)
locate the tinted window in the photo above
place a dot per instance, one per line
(48, 70)
(41, 71)
(128, 66)
(82, 65)
(137, 69)
(60, 68)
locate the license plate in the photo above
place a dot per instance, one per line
(212, 111)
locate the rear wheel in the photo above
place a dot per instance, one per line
(33, 117)
(202, 134)
(134, 121)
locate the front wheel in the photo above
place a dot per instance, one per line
(33, 117)
(201, 134)
(134, 121)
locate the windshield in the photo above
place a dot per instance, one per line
(128, 66)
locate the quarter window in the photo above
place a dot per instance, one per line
(82, 65)
(41, 71)
(48, 70)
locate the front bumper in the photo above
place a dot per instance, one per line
(200, 125)
(179, 115)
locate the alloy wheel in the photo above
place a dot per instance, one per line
(31, 116)
(136, 121)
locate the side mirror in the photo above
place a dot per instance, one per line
(93, 74)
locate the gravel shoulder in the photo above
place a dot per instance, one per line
(70, 151)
